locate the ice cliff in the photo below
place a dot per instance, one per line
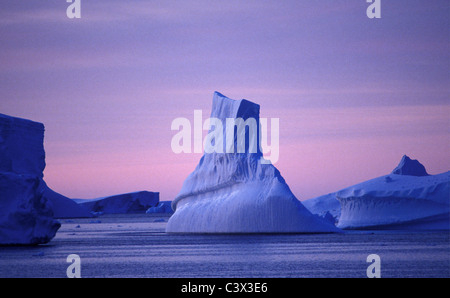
(237, 192)
(26, 215)
(64, 207)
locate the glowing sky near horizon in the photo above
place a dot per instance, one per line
(353, 94)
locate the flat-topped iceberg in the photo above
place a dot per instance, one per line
(133, 202)
(239, 192)
(414, 201)
(408, 199)
(26, 215)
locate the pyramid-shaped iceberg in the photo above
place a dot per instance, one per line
(239, 192)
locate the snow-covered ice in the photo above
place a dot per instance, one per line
(324, 206)
(397, 202)
(408, 198)
(236, 192)
(26, 216)
(134, 202)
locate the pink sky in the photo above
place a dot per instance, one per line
(352, 94)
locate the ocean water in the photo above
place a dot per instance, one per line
(137, 246)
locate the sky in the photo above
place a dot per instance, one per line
(352, 94)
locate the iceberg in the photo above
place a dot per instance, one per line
(162, 207)
(134, 202)
(64, 207)
(410, 167)
(26, 215)
(239, 192)
(408, 198)
(326, 206)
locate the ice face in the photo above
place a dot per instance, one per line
(64, 207)
(21, 146)
(408, 166)
(237, 192)
(26, 216)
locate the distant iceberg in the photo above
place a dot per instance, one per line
(162, 207)
(237, 192)
(408, 199)
(26, 215)
(410, 167)
(397, 202)
(134, 202)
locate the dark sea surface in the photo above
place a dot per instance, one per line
(137, 246)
